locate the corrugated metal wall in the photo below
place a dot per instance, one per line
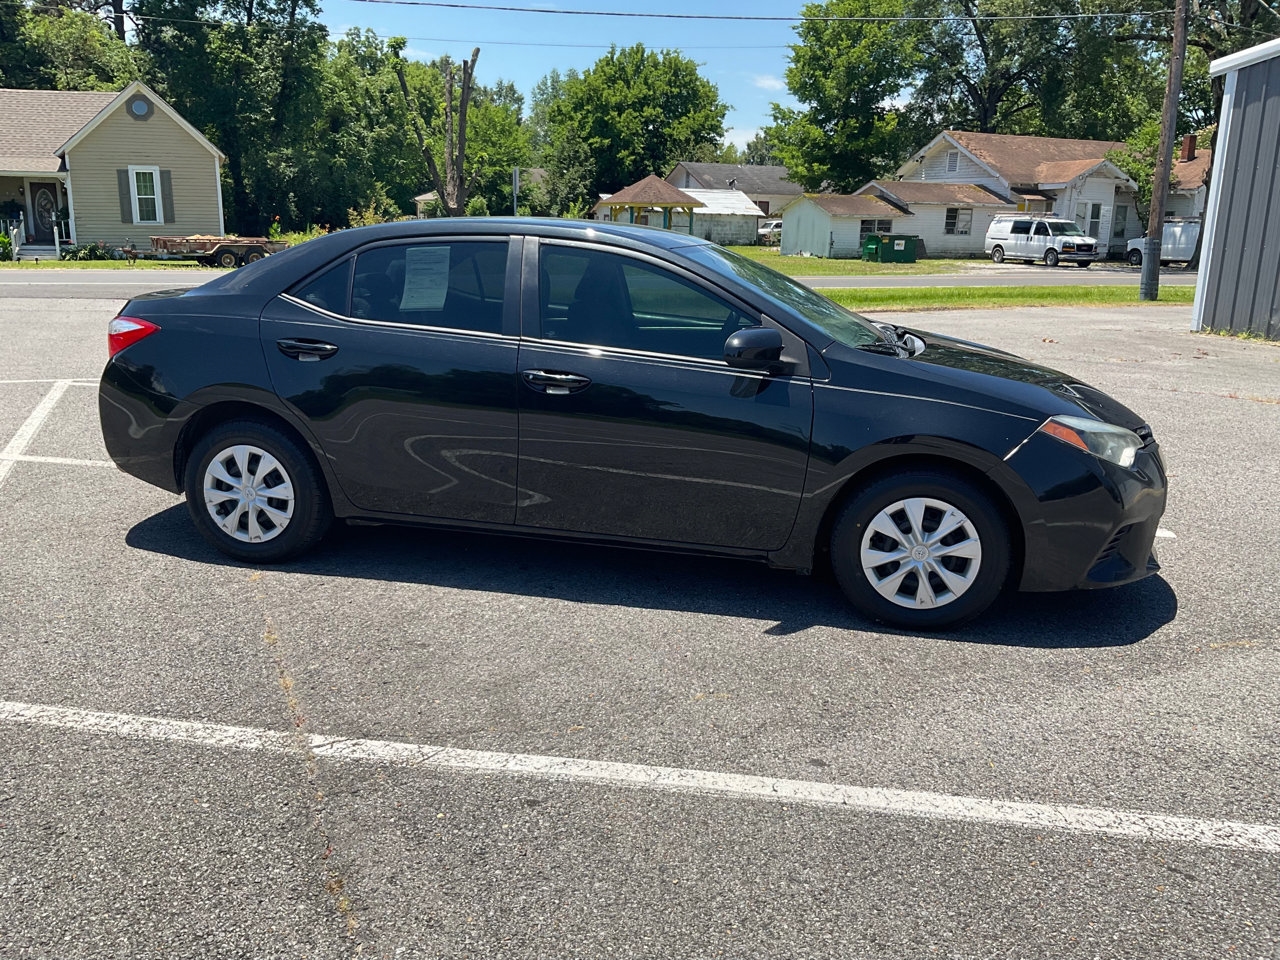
(1242, 288)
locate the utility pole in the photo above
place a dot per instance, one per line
(1149, 286)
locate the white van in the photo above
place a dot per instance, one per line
(1013, 237)
(1177, 242)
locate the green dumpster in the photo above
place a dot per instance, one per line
(897, 248)
(871, 248)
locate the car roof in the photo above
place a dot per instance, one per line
(282, 270)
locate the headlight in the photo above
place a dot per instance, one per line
(1104, 440)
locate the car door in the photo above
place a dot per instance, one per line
(401, 359)
(1041, 240)
(631, 423)
(1019, 240)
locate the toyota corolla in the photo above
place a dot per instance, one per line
(629, 385)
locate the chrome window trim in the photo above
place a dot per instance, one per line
(396, 325)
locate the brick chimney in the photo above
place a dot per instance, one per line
(1188, 147)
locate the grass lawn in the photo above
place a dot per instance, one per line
(961, 298)
(821, 267)
(103, 265)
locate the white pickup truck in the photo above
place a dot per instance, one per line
(1177, 243)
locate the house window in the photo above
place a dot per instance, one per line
(144, 183)
(874, 226)
(1089, 217)
(953, 161)
(1120, 226)
(959, 221)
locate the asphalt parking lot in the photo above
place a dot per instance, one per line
(423, 744)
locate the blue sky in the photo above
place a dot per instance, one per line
(746, 61)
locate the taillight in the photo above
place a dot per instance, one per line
(126, 331)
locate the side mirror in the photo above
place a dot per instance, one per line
(755, 348)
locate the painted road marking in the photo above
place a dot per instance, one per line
(1126, 824)
(27, 432)
(1164, 534)
(66, 461)
(83, 382)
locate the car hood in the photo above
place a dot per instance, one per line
(967, 359)
(979, 375)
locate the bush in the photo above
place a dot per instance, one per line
(6, 249)
(91, 251)
(477, 207)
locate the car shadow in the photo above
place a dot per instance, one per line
(587, 573)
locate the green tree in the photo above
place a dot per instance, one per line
(759, 151)
(77, 51)
(18, 62)
(847, 75)
(633, 113)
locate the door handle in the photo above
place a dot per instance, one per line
(306, 349)
(555, 383)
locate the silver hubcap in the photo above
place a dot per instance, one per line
(921, 553)
(248, 493)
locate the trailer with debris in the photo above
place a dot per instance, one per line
(213, 251)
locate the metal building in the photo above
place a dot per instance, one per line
(1238, 289)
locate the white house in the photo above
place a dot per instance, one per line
(725, 217)
(1071, 179)
(951, 218)
(834, 225)
(767, 186)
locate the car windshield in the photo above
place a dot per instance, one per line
(1065, 228)
(838, 323)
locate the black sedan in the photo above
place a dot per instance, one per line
(629, 385)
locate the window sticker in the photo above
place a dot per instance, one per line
(426, 278)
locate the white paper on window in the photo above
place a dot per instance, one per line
(426, 278)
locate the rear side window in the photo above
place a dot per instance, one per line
(329, 290)
(1021, 228)
(458, 285)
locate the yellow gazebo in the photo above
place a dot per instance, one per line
(650, 193)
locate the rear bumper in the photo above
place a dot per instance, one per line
(1095, 523)
(140, 427)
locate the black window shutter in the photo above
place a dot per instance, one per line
(166, 194)
(126, 197)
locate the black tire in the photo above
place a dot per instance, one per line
(228, 258)
(1084, 263)
(310, 514)
(1135, 257)
(254, 255)
(1051, 257)
(997, 254)
(985, 523)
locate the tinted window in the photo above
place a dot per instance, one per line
(613, 301)
(1042, 229)
(329, 290)
(457, 285)
(1021, 228)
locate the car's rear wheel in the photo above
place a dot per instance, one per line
(997, 254)
(1135, 257)
(922, 550)
(254, 494)
(1051, 257)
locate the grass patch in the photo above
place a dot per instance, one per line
(822, 267)
(102, 265)
(972, 298)
(1246, 335)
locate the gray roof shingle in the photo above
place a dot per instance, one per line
(37, 122)
(751, 178)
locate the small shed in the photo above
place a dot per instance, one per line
(951, 218)
(835, 225)
(1238, 289)
(725, 217)
(639, 202)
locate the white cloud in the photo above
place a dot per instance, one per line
(767, 81)
(413, 53)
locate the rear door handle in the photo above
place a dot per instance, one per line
(306, 349)
(554, 382)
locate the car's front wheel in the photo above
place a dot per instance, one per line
(1135, 257)
(254, 493)
(921, 550)
(1051, 257)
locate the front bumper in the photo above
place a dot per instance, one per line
(1078, 256)
(1095, 522)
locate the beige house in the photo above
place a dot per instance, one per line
(112, 167)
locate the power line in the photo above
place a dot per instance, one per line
(738, 18)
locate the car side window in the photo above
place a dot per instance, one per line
(1042, 229)
(1021, 228)
(328, 291)
(603, 299)
(457, 285)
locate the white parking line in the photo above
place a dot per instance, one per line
(27, 432)
(65, 461)
(905, 803)
(82, 382)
